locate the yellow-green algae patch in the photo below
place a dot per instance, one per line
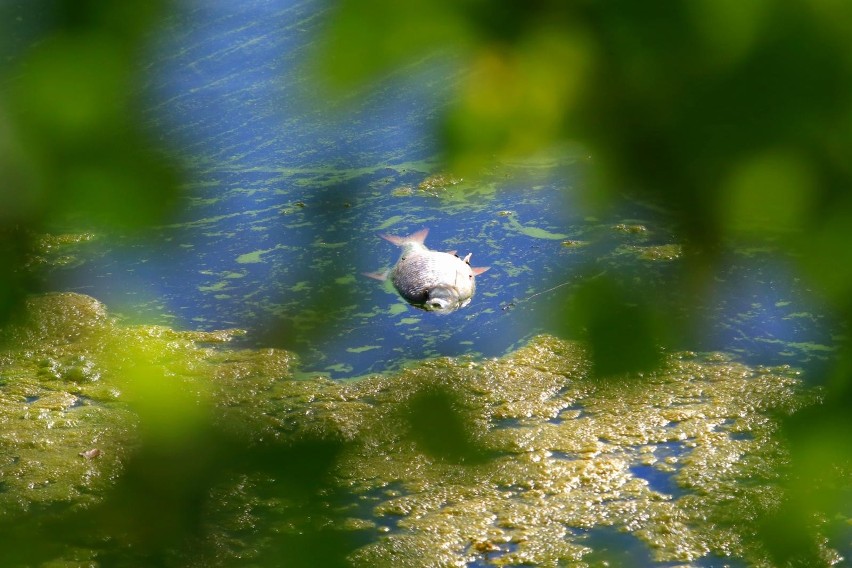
(628, 228)
(256, 256)
(534, 232)
(507, 461)
(60, 249)
(564, 448)
(348, 279)
(390, 222)
(217, 287)
(658, 252)
(65, 425)
(363, 348)
(251, 257)
(438, 181)
(398, 308)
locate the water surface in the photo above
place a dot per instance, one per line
(286, 195)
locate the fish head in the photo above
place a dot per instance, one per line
(443, 299)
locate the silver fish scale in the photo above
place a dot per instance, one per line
(420, 271)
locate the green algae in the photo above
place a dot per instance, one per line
(504, 461)
(630, 228)
(63, 392)
(339, 367)
(60, 249)
(567, 468)
(398, 308)
(217, 287)
(390, 222)
(363, 348)
(403, 191)
(457, 195)
(222, 285)
(561, 467)
(807, 346)
(325, 245)
(534, 232)
(574, 244)
(253, 257)
(438, 182)
(256, 256)
(658, 252)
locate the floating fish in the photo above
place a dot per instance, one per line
(434, 281)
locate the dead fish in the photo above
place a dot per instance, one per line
(434, 281)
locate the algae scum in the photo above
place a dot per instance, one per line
(518, 460)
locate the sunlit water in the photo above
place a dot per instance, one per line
(285, 199)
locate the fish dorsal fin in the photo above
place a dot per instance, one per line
(452, 252)
(418, 237)
(477, 270)
(467, 258)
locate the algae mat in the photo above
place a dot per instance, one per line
(521, 460)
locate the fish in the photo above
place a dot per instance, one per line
(434, 281)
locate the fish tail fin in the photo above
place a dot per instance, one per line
(382, 276)
(418, 237)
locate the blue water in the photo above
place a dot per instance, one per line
(286, 193)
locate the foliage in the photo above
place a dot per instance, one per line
(73, 146)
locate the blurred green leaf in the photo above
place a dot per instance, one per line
(441, 425)
(71, 88)
(770, 193)
(626, 332)
(353, 52)
(78, 153)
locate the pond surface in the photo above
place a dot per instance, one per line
(286, 197)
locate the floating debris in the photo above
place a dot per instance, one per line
(437, 182)
(660, 252)
(403, 191)
(630, 229)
